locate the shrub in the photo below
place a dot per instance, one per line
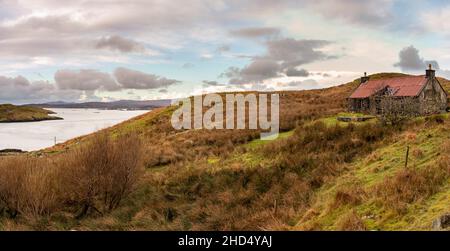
(100, 174)
(351, 222)
(352, 195)
(28, 186)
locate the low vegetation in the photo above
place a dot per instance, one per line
(321, 174)
(91, 179)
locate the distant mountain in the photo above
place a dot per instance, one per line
(113, 105)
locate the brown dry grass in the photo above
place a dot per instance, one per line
(28, 186)
(351, 222)
(269, 196)
(350, 195)
(410, 185)
(93, 177)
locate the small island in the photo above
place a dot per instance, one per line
(13, 114)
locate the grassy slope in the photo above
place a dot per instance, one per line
(425, 147)
(12, 113)
(187, 188)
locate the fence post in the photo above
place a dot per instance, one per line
(407, 155)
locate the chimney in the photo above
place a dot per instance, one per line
(430, 73)
(365, 78)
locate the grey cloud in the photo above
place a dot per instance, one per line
(256, 32)
(260, 69)
(118, 43)
(92, 80)
(293, 72)
(70, 85)
(410, 60)
(207, 83)
(294, 52)
(283, 56)
(86, 80)
(211, 83)
(131, 79)
(17, 81)
(231, 72)
(257, 71)
(21, 90)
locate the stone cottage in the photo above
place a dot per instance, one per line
(419, 95)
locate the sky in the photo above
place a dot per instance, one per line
(104, 50)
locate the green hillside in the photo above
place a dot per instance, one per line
(320, 174)
(12, 113)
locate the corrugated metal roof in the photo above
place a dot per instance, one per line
(403, 86)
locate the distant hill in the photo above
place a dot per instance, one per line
(114, 105)
(11, 113)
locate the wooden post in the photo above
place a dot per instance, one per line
(275, 207)
(55, 140)
(407, 155)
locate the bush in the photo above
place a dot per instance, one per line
(95, 177)
(28, 186)
(351, 222)
(351, 195)
(100, 174)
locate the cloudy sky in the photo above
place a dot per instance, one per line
(149, 49)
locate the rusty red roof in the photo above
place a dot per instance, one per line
(401, 87)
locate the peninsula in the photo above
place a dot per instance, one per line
(11, 113)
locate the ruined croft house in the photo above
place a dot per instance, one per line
(416, 95)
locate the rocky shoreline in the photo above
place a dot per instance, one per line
(31, 120)
(11, 151)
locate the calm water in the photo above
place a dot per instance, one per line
(37, 135)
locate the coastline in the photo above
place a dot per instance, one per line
(31, 120)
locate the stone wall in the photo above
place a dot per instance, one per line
(359, 105)
(432, 98)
